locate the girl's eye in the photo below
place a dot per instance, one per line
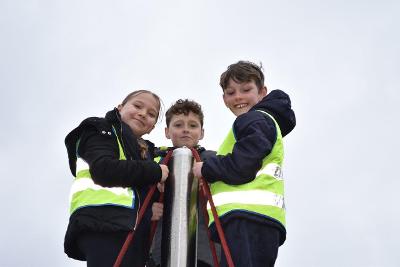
(194, 125)
(152, 115)
(137, 106)
(178, 125)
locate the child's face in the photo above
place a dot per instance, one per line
(241, 97)
(184, 130)
(140, 113)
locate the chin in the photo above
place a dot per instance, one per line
(243, 111)
(184, 144)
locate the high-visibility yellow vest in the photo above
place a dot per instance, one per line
(263, 196)
(84, 192)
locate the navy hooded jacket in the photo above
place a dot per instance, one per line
(255, 135)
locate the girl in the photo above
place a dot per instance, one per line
(113, 168)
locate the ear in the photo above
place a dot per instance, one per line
(167, 133)
(119, 107)
(263, 92)
(224, 98)
(202, 134)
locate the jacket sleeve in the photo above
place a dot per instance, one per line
(255, 136)
(101, 152)
(207, 154)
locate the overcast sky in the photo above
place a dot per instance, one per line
(63, 61)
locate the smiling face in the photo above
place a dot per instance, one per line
(140, 113)
(184, 130)
(241, 97)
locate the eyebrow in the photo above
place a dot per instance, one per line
(190, 121)
(142, 102)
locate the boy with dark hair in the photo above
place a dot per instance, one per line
(185, 128)
(245, 175)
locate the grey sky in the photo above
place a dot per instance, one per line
(62, 61)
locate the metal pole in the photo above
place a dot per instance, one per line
(178, 245)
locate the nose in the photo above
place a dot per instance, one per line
(142, 113)
(237, 96)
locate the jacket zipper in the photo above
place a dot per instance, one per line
(133, 188)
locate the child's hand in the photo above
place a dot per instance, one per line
(165, 172)
(160, 187)
(157, 210)
(197, 169)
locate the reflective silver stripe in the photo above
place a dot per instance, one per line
(256, 197)
(87, 183)
(81, 165)
(273, 170)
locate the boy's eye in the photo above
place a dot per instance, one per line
(152, 115)
(229, 91)
(194, 125)
(178, 125)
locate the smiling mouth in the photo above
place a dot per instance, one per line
(141, 122)
(240, 106)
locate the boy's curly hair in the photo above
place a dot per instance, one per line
(184, 107)
(243, 71)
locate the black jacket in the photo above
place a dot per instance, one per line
(255, 135)
(99, 148)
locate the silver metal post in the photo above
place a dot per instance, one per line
(178, 245)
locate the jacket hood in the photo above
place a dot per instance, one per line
(102, 125)
(277, 103)
(113, 116)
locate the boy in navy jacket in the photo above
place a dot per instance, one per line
(245, 175)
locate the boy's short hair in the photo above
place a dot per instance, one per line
(184, 107)
(243, 71)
